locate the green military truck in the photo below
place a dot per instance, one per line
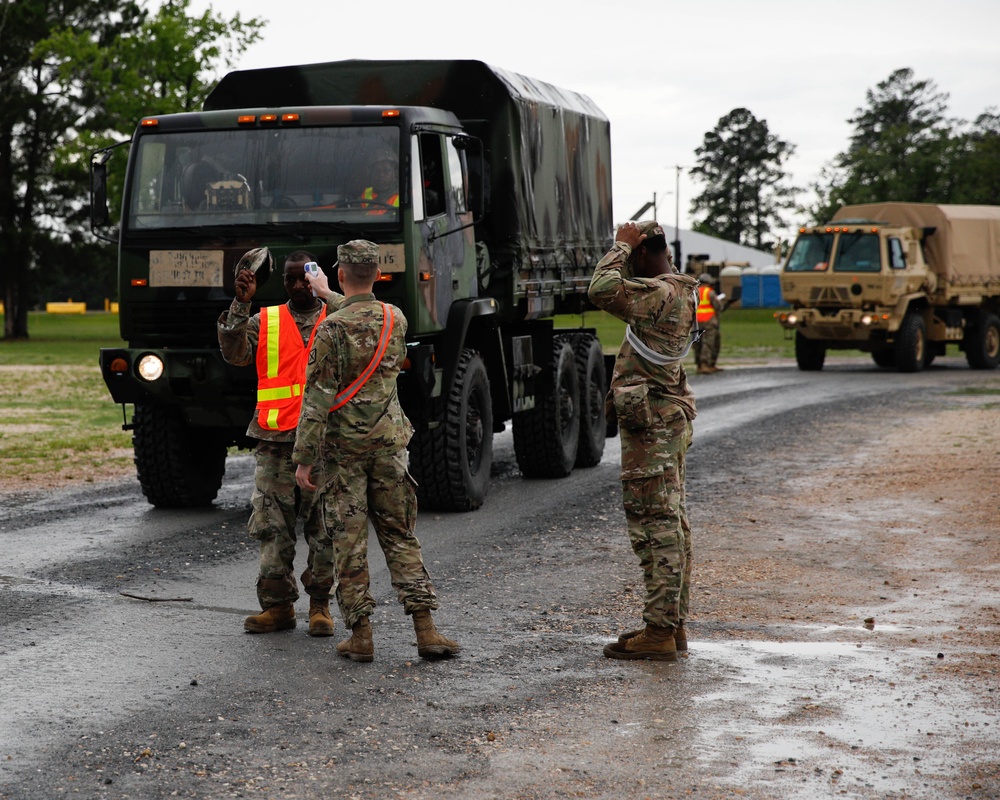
(500, 210)
(898, 280)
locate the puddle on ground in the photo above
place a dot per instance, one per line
(19, 583)
(822, 713)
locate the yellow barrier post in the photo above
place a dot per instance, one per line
(69, 307)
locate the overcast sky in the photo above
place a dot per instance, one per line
(665, 71)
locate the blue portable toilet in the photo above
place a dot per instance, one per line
(750, 288)
(770, 287)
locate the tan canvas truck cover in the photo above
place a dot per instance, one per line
(964, 249)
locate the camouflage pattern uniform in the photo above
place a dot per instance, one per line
(655, 408)
(362, 447)
(276, 501)
(706, 349)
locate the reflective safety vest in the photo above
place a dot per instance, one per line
(281, 368)
(369, 194)
(705, 308)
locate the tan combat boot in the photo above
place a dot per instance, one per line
(430, 643)
(652, 642)
(359, 647)
(320, 621)
(275, 618)
(680, 637)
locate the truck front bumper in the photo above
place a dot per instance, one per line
(211, 392)
(846, 324)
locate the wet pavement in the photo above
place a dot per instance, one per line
(842, 638)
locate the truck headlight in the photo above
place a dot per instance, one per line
(866, 319)
(150, 367)
(792, 319)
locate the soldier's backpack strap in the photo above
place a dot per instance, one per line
(388, 320)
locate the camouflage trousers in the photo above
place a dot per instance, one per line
(706, 349)
(277, 503)
(653, 473)
(354, 490)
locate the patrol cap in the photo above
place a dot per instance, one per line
(706, 278)
(358, 251)
(651, 228)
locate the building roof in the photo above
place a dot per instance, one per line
(717, 249)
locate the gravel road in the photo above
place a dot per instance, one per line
(845, 628)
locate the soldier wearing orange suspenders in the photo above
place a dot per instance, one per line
(353, 429)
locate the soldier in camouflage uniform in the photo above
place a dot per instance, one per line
(352, 424)
(637, 283)
(276, 500)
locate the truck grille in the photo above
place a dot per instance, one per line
(188, 324)
(829, 296)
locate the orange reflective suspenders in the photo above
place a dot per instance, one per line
(388, 320)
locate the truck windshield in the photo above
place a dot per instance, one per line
(811, 252)
(215, 177)
(857, 252)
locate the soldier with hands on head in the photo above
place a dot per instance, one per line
(353, 427)
(277, 341)
(706, 349)
(636, 282)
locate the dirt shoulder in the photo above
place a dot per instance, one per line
(873, 550)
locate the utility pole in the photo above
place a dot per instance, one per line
(677, 221)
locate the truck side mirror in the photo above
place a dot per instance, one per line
(99, 214)
(478, 177)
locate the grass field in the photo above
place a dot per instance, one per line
(62, 339)
(58, 423)
(748, 334)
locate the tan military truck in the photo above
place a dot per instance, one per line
(898, 280)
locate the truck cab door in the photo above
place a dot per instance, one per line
(447, 262)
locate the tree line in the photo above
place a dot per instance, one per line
(75, 74)
(903, 147)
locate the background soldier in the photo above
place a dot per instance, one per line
(276, 499)
(706, 349)
(637, 283)
(352, 420)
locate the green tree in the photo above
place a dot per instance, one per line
(741, 164)
(977, 163)
(74, 76)
(902, 149)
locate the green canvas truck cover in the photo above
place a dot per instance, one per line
(548, 148)
(964, 249)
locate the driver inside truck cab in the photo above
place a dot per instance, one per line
(384, 185)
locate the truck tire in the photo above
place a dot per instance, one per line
(547, 437)
(982, 341)
(177, 466)
(911, 343)
(593, 380)
(885, 358)
(451, 462)
(809, 354)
